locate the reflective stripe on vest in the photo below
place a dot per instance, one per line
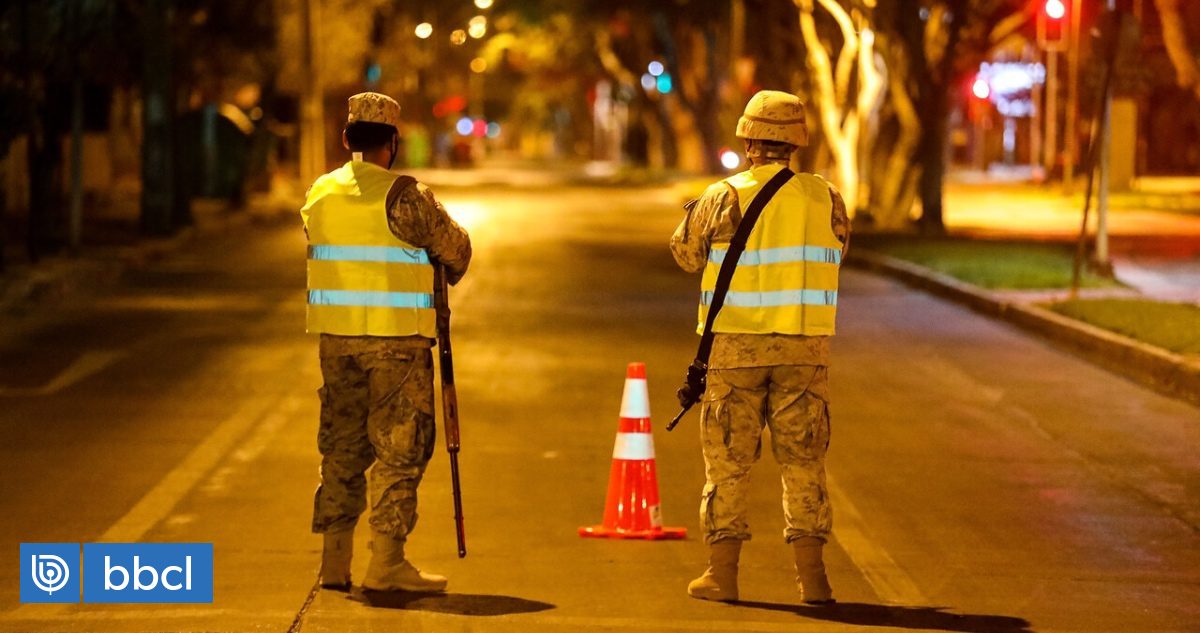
(786, 280)
(368, 298)
(389, 254)
(362, 279)
(783, 255)
(774, 298)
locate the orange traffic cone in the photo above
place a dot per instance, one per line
(632, 509)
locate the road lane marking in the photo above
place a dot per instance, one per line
(158, 503)
(87, 364)
(175, 485)
(891, 583)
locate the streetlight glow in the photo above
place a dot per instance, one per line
(423, 30)
(1055, 9)
(464, 126)
(478, 65)
(483, 4)
(458, 37)
(730, 159)
(655, 68)
(477, 27)
(981, 88)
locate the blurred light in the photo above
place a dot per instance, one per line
(923, 13)
(256, 113)
(1055, 9)
(483, 4)
(458, 37)
(980, 88)
(479, 128)
(464, 126)
(655, 68)
(730, 159)
(477, 29)
(450, 105)
(374, 72)
(479, 19)
(478, 65)
(648, 82)
(664, 83)
(423, 30)
(493, 129)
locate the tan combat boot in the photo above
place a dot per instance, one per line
(389, 571)
(719, 581)
(810, 571)
(335, 560)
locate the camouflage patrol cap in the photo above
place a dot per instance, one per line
(372, 107)
(772, 115)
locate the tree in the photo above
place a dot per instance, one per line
(848, 92)
(1179, 49)
(938, 42)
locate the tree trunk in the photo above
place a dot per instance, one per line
(157, 115)
(936, 89)
(932, 158)
(667, 139)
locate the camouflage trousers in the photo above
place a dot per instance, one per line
(793, 402)
(376, 408)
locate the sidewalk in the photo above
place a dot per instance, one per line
(1155, 251)
(24, 287)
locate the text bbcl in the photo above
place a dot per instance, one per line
(147, 578)
(148, 572)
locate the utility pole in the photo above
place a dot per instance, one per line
(1071, 142)
(1100, 259)
(1053, 38)
(312, 100)
(1051, 110)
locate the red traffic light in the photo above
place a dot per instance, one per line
(1052, 25)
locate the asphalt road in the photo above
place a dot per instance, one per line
(982, 480)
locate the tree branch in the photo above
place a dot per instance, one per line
(1187, 75)
(845, 62)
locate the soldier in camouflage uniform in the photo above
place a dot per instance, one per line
(373, 238)
(768, 365)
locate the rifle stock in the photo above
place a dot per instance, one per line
(441, 301)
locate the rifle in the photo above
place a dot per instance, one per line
(441, 303)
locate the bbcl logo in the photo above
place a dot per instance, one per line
(49, 572)
(117, 572)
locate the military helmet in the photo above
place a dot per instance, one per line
(372, 107)
(772, 115)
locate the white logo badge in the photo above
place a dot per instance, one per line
(50, 573)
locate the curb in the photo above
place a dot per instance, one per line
(1166, 372)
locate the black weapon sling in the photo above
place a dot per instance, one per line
(736, 246)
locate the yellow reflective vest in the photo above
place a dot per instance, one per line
(362, 279)
(786, 281)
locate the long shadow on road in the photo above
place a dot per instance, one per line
(921, 618)
(455, 603)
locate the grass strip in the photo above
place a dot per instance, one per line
(998, 265)
(1172, 326)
